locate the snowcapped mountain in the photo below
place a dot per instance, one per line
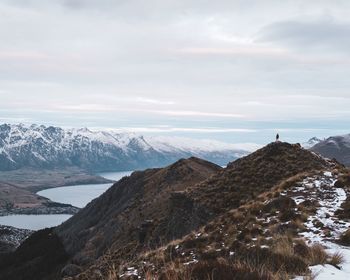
(312, 142)
(337, 147)
(47, 147)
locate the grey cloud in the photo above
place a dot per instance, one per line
(322, 34)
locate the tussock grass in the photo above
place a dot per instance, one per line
(219, 269)
(283, 245)
(336, 259)
(317, 255)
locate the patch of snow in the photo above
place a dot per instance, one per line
(329, 272)
(191, 262)
(330, 198)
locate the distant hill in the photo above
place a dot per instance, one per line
(40, 146)
(261, 217)
(337, 147)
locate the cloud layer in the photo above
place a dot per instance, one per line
(235, 66)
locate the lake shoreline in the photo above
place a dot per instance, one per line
(45, 210)
(34, 179)
(19, 191)
(80, 194)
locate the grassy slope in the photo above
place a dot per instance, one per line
(234, 198)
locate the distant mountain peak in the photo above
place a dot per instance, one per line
(311, 142)
(337, 147)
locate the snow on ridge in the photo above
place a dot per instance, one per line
(330, 198)
(312, 142)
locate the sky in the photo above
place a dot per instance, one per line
(236, 71)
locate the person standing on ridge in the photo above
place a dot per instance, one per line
(277, 137)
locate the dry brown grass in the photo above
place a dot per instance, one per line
(299, 224)
(317, 255)
(283, 245)
(336, 259)
(219, 269)
(263, 248)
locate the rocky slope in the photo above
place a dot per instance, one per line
(48, 147)
(265, 216)
(337, 147)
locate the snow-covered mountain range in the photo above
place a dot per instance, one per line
(42, 146)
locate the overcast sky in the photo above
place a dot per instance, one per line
(232, 70)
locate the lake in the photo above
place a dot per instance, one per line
(33, 222)
(80, 195)
(77, 195)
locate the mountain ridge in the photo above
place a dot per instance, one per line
(49, 147)
(258, 218)
(337, 147)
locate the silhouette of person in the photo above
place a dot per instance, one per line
(277, 137)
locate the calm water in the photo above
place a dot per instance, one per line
(33, 222)
(78, 195)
